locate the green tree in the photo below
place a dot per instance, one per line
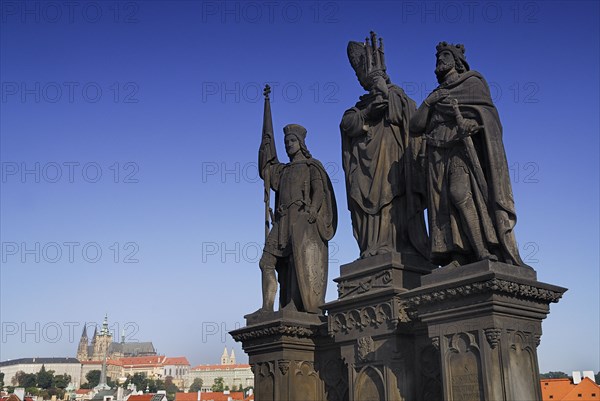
(1, 379)
(140, 381)
(554, 375)
(196, 385)
(26, 380)
(61, 381)
(93, 378)
(45, 378)
(597, 377)
(218, 386)
(170, 388)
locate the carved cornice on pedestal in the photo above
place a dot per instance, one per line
(277, 329)
(511, 288)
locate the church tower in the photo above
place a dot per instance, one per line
(82, 349)
(103, 341)
(232, 357)
(225, 357)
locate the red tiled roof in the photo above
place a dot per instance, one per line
(114, 362)
(14, 397)
(565, 390)
(178, 360)
(220, 367)
(143, 397)
(83, 391)
(186, 396)
(585, 390)
(143, 360)
(220, 396)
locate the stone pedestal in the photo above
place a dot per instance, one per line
(485, 320)
(369, 324)
(281, 348)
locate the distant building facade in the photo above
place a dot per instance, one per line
(113, 369)
(233, 374)
(102, 346)
(178, 368)
(60, 366)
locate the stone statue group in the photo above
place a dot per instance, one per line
(446, 157)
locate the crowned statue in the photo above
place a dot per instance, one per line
(470, 204)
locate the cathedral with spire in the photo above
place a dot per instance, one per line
(102, 346)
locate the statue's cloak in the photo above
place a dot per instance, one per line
(304, 273)
(473, 96)
(381, 164)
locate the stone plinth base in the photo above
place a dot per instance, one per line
(485, 320)
(369, 324)
(281, 348)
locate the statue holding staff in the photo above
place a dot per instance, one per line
(304, 220)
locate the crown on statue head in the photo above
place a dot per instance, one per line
(457, 50)
(460, 48)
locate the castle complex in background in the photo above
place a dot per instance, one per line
(102, 346)
(123, 359)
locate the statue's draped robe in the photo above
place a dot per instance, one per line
(496, 215)
(385, 193)
(301, 247)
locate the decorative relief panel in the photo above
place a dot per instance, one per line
(362, 285)
(493, 336)
(357, 319)
(464, 368)
(364, 349)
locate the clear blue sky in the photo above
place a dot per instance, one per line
(132, 129)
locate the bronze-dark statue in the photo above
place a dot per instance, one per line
(305, 219)
(384, 198)
(470, 202)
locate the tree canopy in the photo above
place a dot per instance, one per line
(196, 385)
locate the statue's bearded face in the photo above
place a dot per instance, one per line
(445, 63)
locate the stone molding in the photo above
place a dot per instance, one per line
(507, 287)
(280, 329)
